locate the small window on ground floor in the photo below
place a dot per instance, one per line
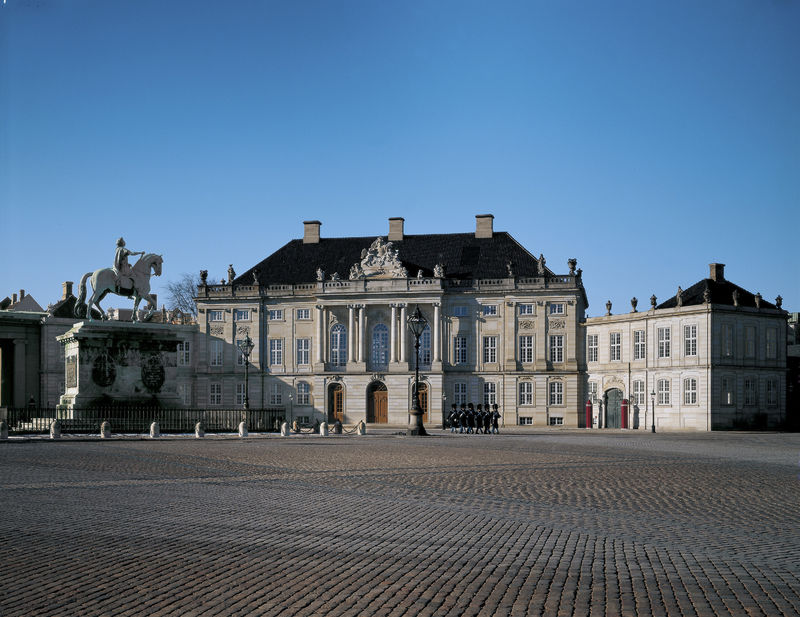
(556, 421)
(525, 420)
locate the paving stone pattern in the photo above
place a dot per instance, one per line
(561, 523)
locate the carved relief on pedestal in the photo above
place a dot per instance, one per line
(104, 370)
(153, 373)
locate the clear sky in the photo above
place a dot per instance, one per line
(646, 139)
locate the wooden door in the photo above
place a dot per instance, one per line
(380, 405)
(336, 403)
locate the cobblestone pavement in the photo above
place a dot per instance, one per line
(556, 523)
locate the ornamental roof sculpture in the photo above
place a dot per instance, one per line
(380, 260)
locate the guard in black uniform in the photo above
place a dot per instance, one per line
(462, 418)
(487, 421)
(470, 418)
(452, 419)
(479, 419)
(495, 420)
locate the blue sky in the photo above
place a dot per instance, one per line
(645, 139)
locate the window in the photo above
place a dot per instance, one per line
(690, 340)
(556, 393)
(526, 309)
(241, 314)
(727, 391)
(459, 311)
(749, 391)
(690, 391)
(663, 392)
(460, 350)
(772, 343)
(615, 346)
(275, 394)
(663, 342)
(727, 341)
(276, 314)
(556, 421)
(489, 393)
(526, 393)
(489, 310)
(338, 345)
(592, 341)
(216, 352)
(525, 420)
(425, 347)
(557, 308)
(302, 314)
(184, 353)
(216, 315)
(772, 392)
(303, 393)
(276, 351)
(749, 342)
(215, 394)
(185, 391)
(557, 348)
(489, 349)
(240, 394)
(638, 392)
(460, 393)
(380, 346)
(592, 390)
(303, 351)
(639, 348)
(526, 348)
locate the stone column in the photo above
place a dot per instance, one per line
(361, 333)
(402, 333)
(20, 392)
(351, 327)
(393, 335)
(437, 333)
(320, 334)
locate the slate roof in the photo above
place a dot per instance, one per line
(721, 293)
(463, 256)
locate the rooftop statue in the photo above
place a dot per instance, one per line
(123, 280)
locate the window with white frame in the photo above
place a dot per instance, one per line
(526, 348)
(615, 346)
(664, 342)
(526, 393)
(556, 348)
(241, 314)
(772, 392)
(526, 309)
(460, 311)
(215, 394)
(727, 341)
(638, 392)
(489, 349)
(276, 314)
(592, 394)
(749, 391)
(216, 315)
(380, 346)
(592, 347)
(338, 345)
(556, 393)
(663, 392)
(240, 394)
(690, 340)
(215, 352)
(425, 347)
(772, 343)
(185, 392)
(489, 393)
(276, 351)
(556, 308)
(639, 347)
(303, 314)
(727, 391)
(489, 310)
(555, 421)
(303, 393)
(184, 353)
(275, 394)
(749, 342)
(460, 393)
(303, 347)
(525, 420)
(690, 391)
(460, 350)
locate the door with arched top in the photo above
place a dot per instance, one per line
(377, 403)
(336, 403)
(613, 408)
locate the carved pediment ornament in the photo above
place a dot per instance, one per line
(556, 324)
(380, 260)
(243, 329)
(219, 330)
(526, 324)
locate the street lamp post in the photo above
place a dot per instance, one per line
(246, 347)
(416, 323)
(653, 406)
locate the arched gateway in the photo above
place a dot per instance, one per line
(377, 403)
(613, 408)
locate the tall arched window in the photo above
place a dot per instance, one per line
(425, 347)
(380, 346)
(339, 345)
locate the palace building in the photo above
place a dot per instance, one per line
(328, 318)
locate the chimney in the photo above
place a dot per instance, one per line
(311, 232)
(21, 295)
(483, 225)
(396, 229)
(66, 286)
(717, 272)
(13, 298)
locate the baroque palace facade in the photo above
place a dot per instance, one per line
(328, 319)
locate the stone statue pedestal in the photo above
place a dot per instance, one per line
(119, 364)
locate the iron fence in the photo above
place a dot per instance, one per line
(22, 420)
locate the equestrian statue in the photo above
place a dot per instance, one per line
(123, 280)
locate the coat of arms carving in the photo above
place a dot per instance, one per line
(380, 260)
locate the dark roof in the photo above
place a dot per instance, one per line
(721, 293)
(463, 256)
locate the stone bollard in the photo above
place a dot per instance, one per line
(337, 428)
(105, 430)
(199, 431)
(323, 429)
(362, 428)
(3, 430)
(285, 429)
(155, 432)
(55, 429)
(242, 429)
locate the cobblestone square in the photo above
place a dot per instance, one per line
(540, 523)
